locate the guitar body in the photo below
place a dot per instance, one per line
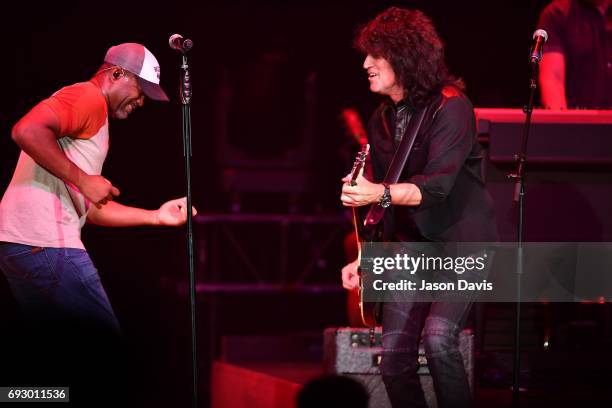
(370, 311)
(353, 310)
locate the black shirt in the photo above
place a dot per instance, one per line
(446, 165)
(578, 30)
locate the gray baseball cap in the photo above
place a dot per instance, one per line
(138, 60)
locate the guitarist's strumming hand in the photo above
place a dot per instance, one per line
(350, 277)
(364, 192)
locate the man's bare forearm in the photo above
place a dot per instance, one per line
(405, 194)
(553, 94)
(114, 214)
(552, 80)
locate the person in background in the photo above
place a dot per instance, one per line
(576, 67)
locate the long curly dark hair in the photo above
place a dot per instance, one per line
(408, 40)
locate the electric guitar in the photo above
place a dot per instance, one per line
(369, 310)
(359, 312)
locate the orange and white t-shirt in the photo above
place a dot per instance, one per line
(38, 208)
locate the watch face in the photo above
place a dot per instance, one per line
(385, 200)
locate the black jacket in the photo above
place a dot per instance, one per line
(446, 163)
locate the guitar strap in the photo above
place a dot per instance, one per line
(398, 162)
(371, 311)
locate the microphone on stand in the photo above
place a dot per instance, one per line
(177, 42)
(539, 36)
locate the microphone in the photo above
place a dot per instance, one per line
(540, 36)
(177, 42)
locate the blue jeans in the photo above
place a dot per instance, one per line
(57, 284)
(406, 322)
(71, 335)
(439, 324)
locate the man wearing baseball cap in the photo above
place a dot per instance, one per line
(136, 59)
(57, 186)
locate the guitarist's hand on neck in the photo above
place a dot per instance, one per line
(366, 192)
(362, 193)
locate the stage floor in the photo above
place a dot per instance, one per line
(276, 385)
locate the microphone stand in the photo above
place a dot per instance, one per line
(185, 92)
(519, 197)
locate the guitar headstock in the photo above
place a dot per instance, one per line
(359, 163)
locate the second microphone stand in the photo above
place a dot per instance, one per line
(519, 197)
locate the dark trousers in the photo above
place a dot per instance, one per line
(439, 324)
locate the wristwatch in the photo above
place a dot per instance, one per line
(385, 200)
